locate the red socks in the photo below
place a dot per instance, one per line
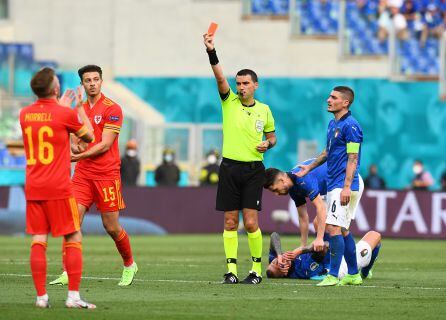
(38, 266)
(73, 264)
(64, 255)
(124, 248)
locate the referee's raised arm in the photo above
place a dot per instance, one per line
(223, 85)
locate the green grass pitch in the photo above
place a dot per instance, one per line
(179, 278)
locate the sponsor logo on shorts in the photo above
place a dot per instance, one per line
(336, 217)
(364, 252)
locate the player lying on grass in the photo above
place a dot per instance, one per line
(305, 263)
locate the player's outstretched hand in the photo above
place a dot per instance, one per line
(345, 196)
(67, 98)
(304, 169)
(208, 42)
(318, 245)
(262, 146)
(78, 96)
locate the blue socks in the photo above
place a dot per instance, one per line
(336, 251)
(326, 261)
(350, 254)
(365, 271)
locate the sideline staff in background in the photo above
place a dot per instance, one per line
(209, 172)
(130, 164)
(168, 172)
(245, 122)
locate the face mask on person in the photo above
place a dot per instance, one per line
(168, 157)
(132, 153)
(212, 159)
(417, 168)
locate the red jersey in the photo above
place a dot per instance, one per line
(46, 128)
(104, 115)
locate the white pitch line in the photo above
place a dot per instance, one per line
(216, 282)
(171, 264)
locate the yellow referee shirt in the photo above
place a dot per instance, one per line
(244, 127)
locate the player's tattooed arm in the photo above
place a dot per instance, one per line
(304, 169)
(275, 243)
(352, 164)
(276, 246)
(322, 158)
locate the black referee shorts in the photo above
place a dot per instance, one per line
(240, 185)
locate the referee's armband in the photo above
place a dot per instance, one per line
(353, 147)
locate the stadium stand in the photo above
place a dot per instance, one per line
(363, 22)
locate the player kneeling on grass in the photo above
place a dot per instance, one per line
(305, 263)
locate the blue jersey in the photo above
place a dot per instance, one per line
(340, 132)
(311, 185)
(304, 266)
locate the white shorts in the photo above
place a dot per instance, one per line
(341, 216)
(363, 256)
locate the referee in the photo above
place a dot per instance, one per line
(241, 175)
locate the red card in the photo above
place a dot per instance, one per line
(212, 28)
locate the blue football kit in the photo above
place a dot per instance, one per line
(341, 135)
(306, 265)
(311, 185)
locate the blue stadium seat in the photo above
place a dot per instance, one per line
(279, 7)
(260, 7)
(3, 155)
(321, 18)
(20, 161)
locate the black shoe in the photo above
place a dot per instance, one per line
(252, 278)
(230, 278)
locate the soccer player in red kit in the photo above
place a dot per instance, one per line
(97, 175)
(50, 205)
